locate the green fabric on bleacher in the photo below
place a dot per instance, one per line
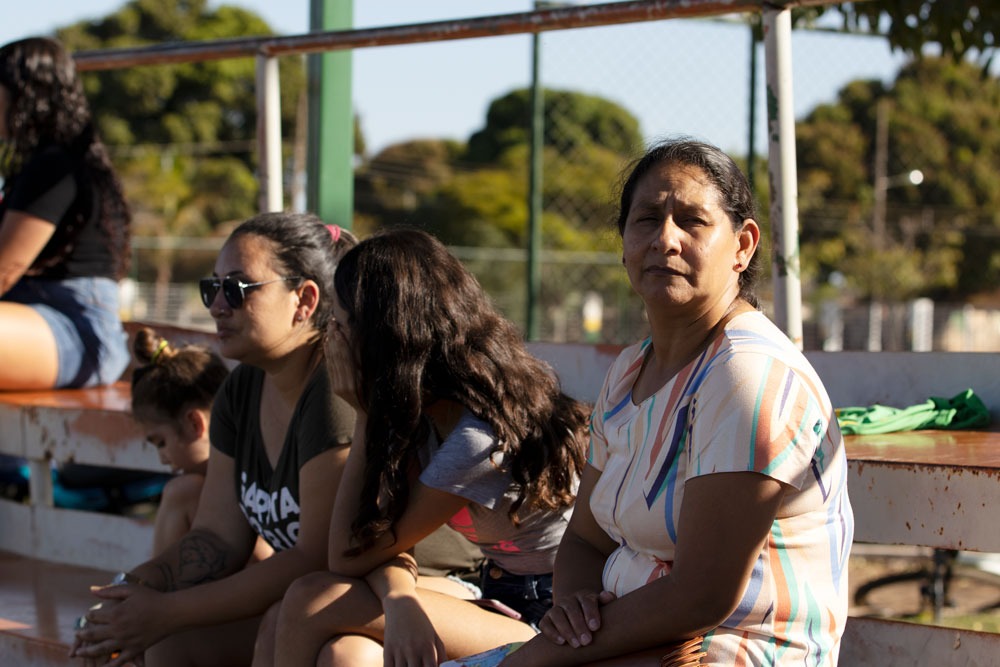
(965, 410)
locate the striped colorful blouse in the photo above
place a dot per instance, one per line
(750, 402)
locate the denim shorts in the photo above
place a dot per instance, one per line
(528, 594)
(83, 316)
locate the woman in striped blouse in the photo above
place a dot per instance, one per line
(714, 502)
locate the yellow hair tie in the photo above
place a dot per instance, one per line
(159, 348)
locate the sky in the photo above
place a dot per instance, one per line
(677, 77)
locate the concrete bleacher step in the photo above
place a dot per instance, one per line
(39, 602)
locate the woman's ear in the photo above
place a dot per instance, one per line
(748, 237)
(195, 423)
(308, 293)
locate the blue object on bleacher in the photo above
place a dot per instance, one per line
(92, 488)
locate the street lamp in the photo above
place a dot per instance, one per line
(881, 185)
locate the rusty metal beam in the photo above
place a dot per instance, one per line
(871, 642)
(561, 18)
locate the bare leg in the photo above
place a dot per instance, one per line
(178, 505)
(263, 650)
(302, 626)
(322, 605)
(445, 585)
(261, 551)
(350, 651)
(214, 646)
(650, 658)
(28, 355)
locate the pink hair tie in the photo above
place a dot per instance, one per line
(334, 232)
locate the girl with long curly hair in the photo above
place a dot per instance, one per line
(457, 423)
(64, 228)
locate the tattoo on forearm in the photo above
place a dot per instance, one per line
(202, 558)
(167, 576)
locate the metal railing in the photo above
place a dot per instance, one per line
(777, 40)
(540, 20)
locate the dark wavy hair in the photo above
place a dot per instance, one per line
(48, 107)
(422, 329)
(170, 379)
(303, 246)
(735, 195)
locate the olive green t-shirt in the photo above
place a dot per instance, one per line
(269, 497)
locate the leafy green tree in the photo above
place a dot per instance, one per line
(487, 205)
(476, 194)
(390, 186)
(182, 136)
(959, 27)
(941, 118)
(573, 121)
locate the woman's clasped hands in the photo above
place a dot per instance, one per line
(574, 619)
(115, 632)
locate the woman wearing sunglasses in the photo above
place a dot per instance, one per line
(279, 439)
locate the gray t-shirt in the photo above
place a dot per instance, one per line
(461, 465)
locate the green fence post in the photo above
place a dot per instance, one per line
(330, 188)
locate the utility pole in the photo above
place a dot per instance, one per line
(881, 169)
(880, 186)
(752, 104)
(534, 271)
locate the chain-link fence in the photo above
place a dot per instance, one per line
(875, 236)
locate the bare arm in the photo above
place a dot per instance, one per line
(250, 591)
(203, 575)
(409, 637)
(396, 575)
(219, 540)
(427, 509)
(22, 238)
(724, 524)
(584, 547)
(578, 592)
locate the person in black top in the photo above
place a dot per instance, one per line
(279, 439)
(64, 228)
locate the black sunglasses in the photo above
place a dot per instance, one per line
(233, 289)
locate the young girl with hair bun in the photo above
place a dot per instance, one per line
(172, 393)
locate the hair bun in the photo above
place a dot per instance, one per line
(160, 352)
(150, 348)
